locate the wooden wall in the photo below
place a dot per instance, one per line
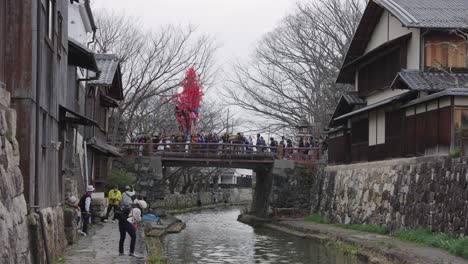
(445, 49)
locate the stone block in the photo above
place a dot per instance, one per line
(71, 235)
(69, 216)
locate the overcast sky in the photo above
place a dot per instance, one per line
(237, 25)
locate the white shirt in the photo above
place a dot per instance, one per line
(87, 204)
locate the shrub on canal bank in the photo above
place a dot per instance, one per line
(316, 218)
(454, 245)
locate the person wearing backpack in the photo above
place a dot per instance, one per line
(85, 207)
(127, 196)
(128, 220)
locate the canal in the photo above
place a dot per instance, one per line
(215, 236)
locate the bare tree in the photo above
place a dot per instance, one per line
(292, 75)
(154, 63)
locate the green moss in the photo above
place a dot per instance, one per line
(347, 249)
(60, 260)
(454, 245)
(454, 153)
(366, 228)
(316, 218)
(156, 253)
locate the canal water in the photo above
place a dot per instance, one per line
(215, 236)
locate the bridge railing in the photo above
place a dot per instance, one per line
(222, 150)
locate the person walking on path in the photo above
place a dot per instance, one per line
(127, 196)
(85, 207)
(114, 200)
(129, 226)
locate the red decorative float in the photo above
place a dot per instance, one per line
(188, 102)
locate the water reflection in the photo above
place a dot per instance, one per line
(214, 236)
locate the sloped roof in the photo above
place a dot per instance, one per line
(449, 92)
(110, 75)
(443, 14)
(107, 64)
(353, 99)
(429, 81)
(79, 55)
(429, 13)
(347, 103)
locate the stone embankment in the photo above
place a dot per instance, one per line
(429, 192)
(373, 248)
(14, 233)
(155, 231)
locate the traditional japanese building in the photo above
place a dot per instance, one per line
(408, 64)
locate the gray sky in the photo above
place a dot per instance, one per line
(237, 25)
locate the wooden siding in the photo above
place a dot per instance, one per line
(379, 74)
(339, 146)
(22, 51)
(426, 132)
(359, 140)
(419, 134)
(446, 50)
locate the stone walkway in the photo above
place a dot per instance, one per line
(390, 247)
(101, 246)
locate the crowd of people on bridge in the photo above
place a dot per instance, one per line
(230, 142)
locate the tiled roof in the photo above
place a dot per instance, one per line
(449, 92)
(107, 64)
(353, 99)
(429, 13)
(432, 81)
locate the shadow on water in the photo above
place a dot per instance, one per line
(215, 236)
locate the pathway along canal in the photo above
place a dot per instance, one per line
(215, 236)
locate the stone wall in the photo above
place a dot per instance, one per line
(181, 201)
(14, 233)
(53, 218)
(429, 192)
(292, 185)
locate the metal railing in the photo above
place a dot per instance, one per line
(222, 151)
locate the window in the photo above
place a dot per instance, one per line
(446, 50)
(50, 9)
(460, 117)
(380, 73)
(60, 32)
(376, 127)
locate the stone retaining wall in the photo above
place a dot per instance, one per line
(14, 233)
(182, 201)
(429, 192)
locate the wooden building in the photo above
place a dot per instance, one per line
(103, 94)
(33, 62)
(408, 64)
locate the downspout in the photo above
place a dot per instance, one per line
(37, 138)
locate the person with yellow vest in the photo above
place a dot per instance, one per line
(114, 200)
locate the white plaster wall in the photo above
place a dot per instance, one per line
(389, 28)
(372, 128)
(245, 172)
(461, 101)
(76, 26)
(377, 97)
(380, 127)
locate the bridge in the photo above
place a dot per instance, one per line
(267, 162)
(220, 154)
